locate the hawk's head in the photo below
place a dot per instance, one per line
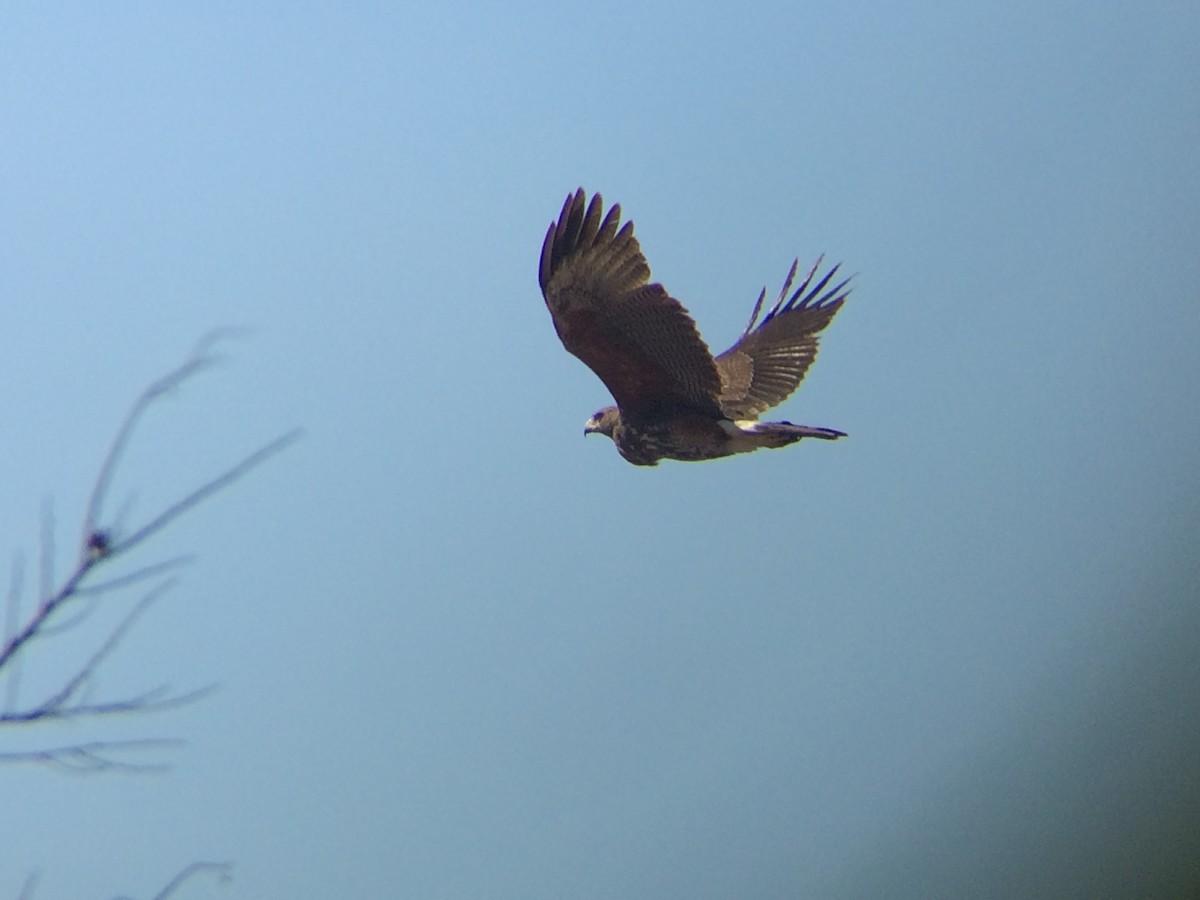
(603, 422)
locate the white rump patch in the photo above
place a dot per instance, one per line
(741, 426)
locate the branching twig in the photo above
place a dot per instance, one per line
(98, 547)
(200, 359)
(56, 706)
(11, 618)
(145, 702)
(226, 478)
(140, 575)
(46, 569)
(96, 756)
(221, 870)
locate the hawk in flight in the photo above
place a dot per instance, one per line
(674, 400)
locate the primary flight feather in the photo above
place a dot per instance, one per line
(673, 399)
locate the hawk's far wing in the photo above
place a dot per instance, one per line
(634, 335)
(768, 362)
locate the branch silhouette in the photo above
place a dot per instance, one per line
(220, 870)
(66, 606)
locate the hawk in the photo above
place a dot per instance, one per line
(674, 400)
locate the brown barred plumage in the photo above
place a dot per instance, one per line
(674, 400)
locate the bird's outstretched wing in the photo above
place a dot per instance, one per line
(633, 334)
(768, 362)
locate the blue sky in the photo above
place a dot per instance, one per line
(463, 651)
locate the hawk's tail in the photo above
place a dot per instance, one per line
(780, 434)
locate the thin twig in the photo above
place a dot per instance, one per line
(98, 547)
(46, 567)
(140, 575)
(145, 702)
(78, 616)
(200, 359)
(12, 684)
(59, 699)
(44, 610)
(95, 554)
(223, 480)
(221, 870)
(96, 756)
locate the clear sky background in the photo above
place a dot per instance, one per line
(463, 651)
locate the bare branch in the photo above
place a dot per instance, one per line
(12, 616)
(98, 547)
(97, 756)
(151, 701)
(151, 571)
(46, 569)
(255, 459)
(44, 610)
(55, 703)
(221, 870)
(201, 358)
(78, 616)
